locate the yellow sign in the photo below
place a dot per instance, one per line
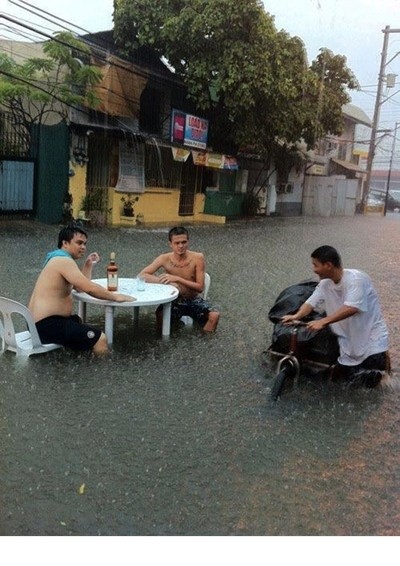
(180, 154)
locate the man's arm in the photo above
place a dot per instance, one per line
(197, 285)
(88, 265)
(303, 311)
(149, 271)
(342, 313)
(71, 273)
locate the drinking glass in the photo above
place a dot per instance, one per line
(141, 283)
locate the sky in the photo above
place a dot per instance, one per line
(352, 28)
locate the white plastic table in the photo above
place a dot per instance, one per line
(153, 294)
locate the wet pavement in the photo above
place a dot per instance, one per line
(178, 436)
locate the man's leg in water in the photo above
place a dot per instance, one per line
(101, 347)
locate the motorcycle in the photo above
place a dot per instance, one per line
(295, 345)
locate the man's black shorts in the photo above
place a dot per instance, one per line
(197, 308)
(69, 331)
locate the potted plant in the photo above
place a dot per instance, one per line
(94, 205)
(128, 205)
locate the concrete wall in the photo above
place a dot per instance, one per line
(158, 205)
(155, 205)
(290, 204)
(77, 187)
(288, 208)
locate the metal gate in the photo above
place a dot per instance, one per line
(329, 196)
(17, 168)
(16, 186)
(190, 181)
(186, 202)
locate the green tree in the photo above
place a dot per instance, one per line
(253, 81)
(42, 86)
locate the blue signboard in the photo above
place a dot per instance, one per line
(189, 130)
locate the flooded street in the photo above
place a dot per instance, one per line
(178, 436)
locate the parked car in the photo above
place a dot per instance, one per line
(377, 199)
(393, 204)
(394, 201)
(375, 203)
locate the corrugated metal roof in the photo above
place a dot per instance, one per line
(349, 166)
(356, 114)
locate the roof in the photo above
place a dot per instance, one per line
(349, 166)
(356, 114)
(143, 56)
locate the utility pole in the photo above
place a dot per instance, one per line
(375, 121)
(390, 168)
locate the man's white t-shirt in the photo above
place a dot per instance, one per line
(363, 334)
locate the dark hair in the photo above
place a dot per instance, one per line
(68, 232)
(178, 231)
(327, 253)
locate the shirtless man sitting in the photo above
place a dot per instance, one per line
(185, 270)
(51, 300)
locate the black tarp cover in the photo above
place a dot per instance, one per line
(319, 346)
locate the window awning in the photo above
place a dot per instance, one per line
(121, 87)
(349, 166)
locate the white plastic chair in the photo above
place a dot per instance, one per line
(188, 320)
(27, 342)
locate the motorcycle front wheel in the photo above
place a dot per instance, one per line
(287, 371)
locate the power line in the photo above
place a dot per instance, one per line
(41, 11)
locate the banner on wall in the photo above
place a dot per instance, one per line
(230, 163)
(199, 157)
(189, 130)
(131, 167)
(215, 160)
(180, 154)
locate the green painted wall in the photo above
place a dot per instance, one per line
(51, 180)
(223, 203)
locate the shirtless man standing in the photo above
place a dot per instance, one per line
(185, 270)
(51, 300)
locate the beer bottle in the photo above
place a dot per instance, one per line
(112, 274)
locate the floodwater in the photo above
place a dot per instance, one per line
(178, 436)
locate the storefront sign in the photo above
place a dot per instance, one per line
(189, 130)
